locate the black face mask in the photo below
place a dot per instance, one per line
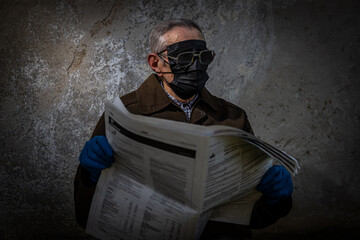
(189, 80)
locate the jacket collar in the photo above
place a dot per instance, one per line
(206, 97)
(152, 97)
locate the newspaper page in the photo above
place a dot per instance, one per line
(170, 177)
(151, 191)
(239, 209)
(243, 166)
(290, 163)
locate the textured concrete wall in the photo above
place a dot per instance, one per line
(292, 65)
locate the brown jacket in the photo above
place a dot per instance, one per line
(151, 100)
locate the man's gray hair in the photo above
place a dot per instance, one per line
(157, 39)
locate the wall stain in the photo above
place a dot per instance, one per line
(106, 21)
(78, 58)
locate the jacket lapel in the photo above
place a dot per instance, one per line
(151, 96)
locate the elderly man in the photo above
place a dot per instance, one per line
(180, 59)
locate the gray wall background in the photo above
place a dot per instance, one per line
(292, 65)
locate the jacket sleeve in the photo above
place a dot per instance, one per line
(264, 214)
(83, 188)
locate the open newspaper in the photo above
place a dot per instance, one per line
(169, 178)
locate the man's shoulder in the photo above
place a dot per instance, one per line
(130, 102)
(224, 112)
(147, 98)
(220, 104)
(129, 98)
(229, 105)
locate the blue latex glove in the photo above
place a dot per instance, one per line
(276, 184)
(96, 155)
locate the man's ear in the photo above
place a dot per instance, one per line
(154, 62)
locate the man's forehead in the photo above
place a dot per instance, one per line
(179, 34)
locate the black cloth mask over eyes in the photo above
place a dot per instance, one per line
(189, 80)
